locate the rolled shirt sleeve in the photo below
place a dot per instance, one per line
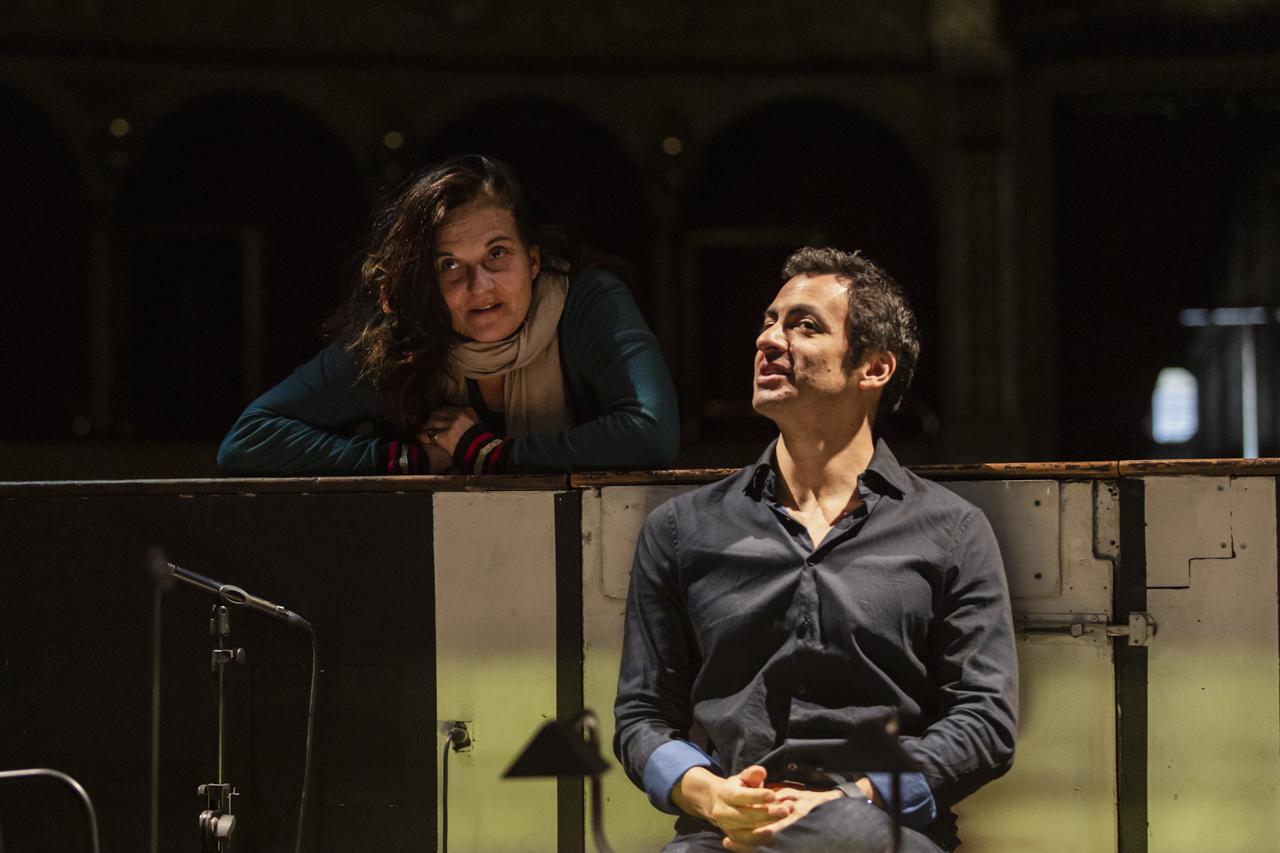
(918, 806)
(666, 765)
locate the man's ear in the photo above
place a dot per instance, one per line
(876, 370)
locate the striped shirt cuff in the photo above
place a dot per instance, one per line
(406, 457)
(479, 451)
(666, 765)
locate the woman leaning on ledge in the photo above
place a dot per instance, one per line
(470, 345)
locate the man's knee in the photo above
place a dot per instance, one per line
(848, 825)
(696, 842)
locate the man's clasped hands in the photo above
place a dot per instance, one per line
(748, 810)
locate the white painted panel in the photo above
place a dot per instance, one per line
(1024, 515)
(1089, 521)
(1061, 793)
(1213, 778)
(496, 660)
(1187, 518)
(623, 510)
(611, 521)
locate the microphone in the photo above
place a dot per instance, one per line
(165, 573)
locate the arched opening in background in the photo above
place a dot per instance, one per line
(785, 175)
(45, 222)
(239, 225)
(575, 174)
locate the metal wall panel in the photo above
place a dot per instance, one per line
(1213, 690)
(1060, 794)
(74, 607)
(496, 661)
(611, 521)
(1024, 515)
(1193, 518)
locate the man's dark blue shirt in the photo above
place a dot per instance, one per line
(741, 634)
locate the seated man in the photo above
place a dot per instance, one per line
(821, 587)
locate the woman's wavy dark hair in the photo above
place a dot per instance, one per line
(395, 323)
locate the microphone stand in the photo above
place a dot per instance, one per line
(217, 823)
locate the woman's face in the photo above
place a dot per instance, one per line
(484, 271)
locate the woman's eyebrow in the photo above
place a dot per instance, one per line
(500, 237)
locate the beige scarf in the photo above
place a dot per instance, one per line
(534, 392)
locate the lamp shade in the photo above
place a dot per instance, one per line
(558, 749)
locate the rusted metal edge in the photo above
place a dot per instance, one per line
(1020, 471)
(286, 485)
(975, 471)
(673, 476)
(1096, 470)
(597, 479)
(1203, 467)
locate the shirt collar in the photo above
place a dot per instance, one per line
(887, 476)
(886, 467)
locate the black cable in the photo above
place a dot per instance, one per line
(597, 816)
(153, 821)
(311, 720)
(444, 790)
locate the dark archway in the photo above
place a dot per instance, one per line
(240, 223)
(45, 224)
(788, 174)
(575, 173)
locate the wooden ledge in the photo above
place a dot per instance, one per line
(599, 479)
(1020, 471)
(667, 477)
(287, 485)
(1100, 470)
(1200, 467)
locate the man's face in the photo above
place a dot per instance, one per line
(801, 349)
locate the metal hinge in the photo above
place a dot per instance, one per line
(1139, 629)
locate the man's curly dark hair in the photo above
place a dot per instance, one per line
(879, 318)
